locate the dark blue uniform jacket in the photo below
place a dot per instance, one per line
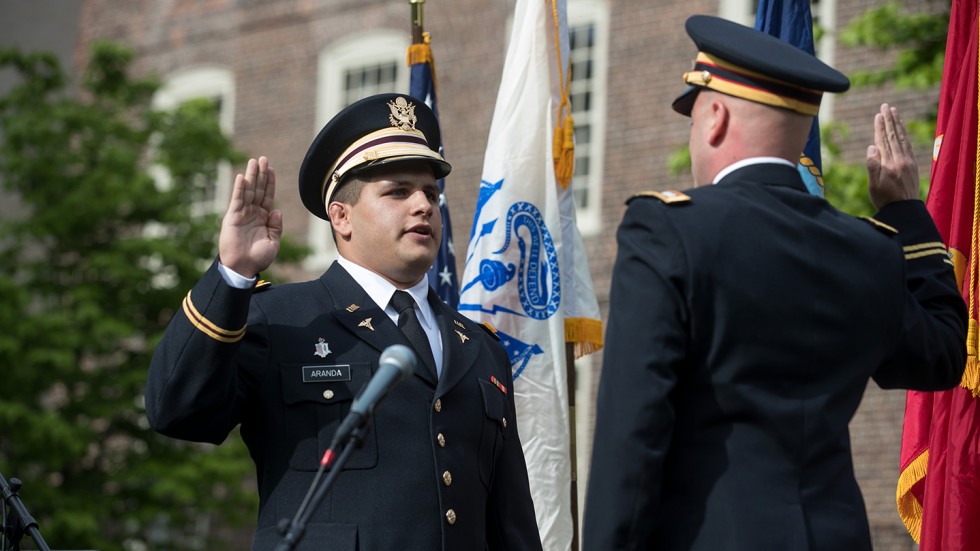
(744, 325)
(442, 465)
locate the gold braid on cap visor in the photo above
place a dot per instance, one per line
(381, 144)
(716, 74)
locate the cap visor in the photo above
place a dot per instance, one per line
(685, 102)
(440, 168)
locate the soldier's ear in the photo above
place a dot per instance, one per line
(720, 117)
(339, 214)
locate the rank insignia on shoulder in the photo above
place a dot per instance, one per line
(489, 329)
(668, 196)
(262, 285)
(882, 227)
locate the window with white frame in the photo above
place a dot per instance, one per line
(348, 70)
(218, 85)
(588, 25)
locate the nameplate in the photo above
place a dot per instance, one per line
(326, 373)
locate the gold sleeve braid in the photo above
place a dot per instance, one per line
(927, 249)
(207, 327)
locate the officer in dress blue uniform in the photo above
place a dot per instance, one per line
(441, 466)
(746, 317)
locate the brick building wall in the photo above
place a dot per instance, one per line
(272, 49)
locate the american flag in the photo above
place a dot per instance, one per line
(422, 85)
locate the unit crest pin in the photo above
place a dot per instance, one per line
(322, 348)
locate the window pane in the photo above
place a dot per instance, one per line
(582, 69)
(581, 101)
(582, 58)
(365, 80)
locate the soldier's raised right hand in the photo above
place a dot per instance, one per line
(251, 229)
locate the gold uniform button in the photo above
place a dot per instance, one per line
(504, 422)
(451, 516)
(438, 405)
(447, 478)
(441, 439)
(328, 394)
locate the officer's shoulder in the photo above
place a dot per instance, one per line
(668, 197)
(466, 323)
(880, 226)
(491, 330)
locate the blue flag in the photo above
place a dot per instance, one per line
(422, 85)
(790, 21)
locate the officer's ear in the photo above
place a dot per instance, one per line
(339, 214)
(719, 118)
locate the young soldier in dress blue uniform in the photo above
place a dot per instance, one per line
(746, 317)
(441, 466)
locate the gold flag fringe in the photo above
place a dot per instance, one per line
(909, 507)
(585, 334)
(422, 53)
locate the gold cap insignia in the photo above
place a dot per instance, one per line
(402, 114)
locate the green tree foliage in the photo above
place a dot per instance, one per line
(94, 264)
(918, 42)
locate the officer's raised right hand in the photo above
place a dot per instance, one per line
(251, 229)
(893, 174)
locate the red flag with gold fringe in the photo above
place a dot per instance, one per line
(938, 493)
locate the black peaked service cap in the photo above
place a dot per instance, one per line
(747, 63)
(376, 130)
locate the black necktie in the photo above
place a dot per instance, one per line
(408, 322)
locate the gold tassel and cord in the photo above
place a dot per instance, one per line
(563, 141)
(971, 375)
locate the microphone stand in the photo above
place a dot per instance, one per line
(294, 531)
(18, 522)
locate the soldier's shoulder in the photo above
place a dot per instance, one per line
(880, 226)
(668, 197)
(490, 330)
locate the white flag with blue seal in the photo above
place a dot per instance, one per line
(525, 271)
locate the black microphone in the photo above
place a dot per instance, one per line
(396, 364)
